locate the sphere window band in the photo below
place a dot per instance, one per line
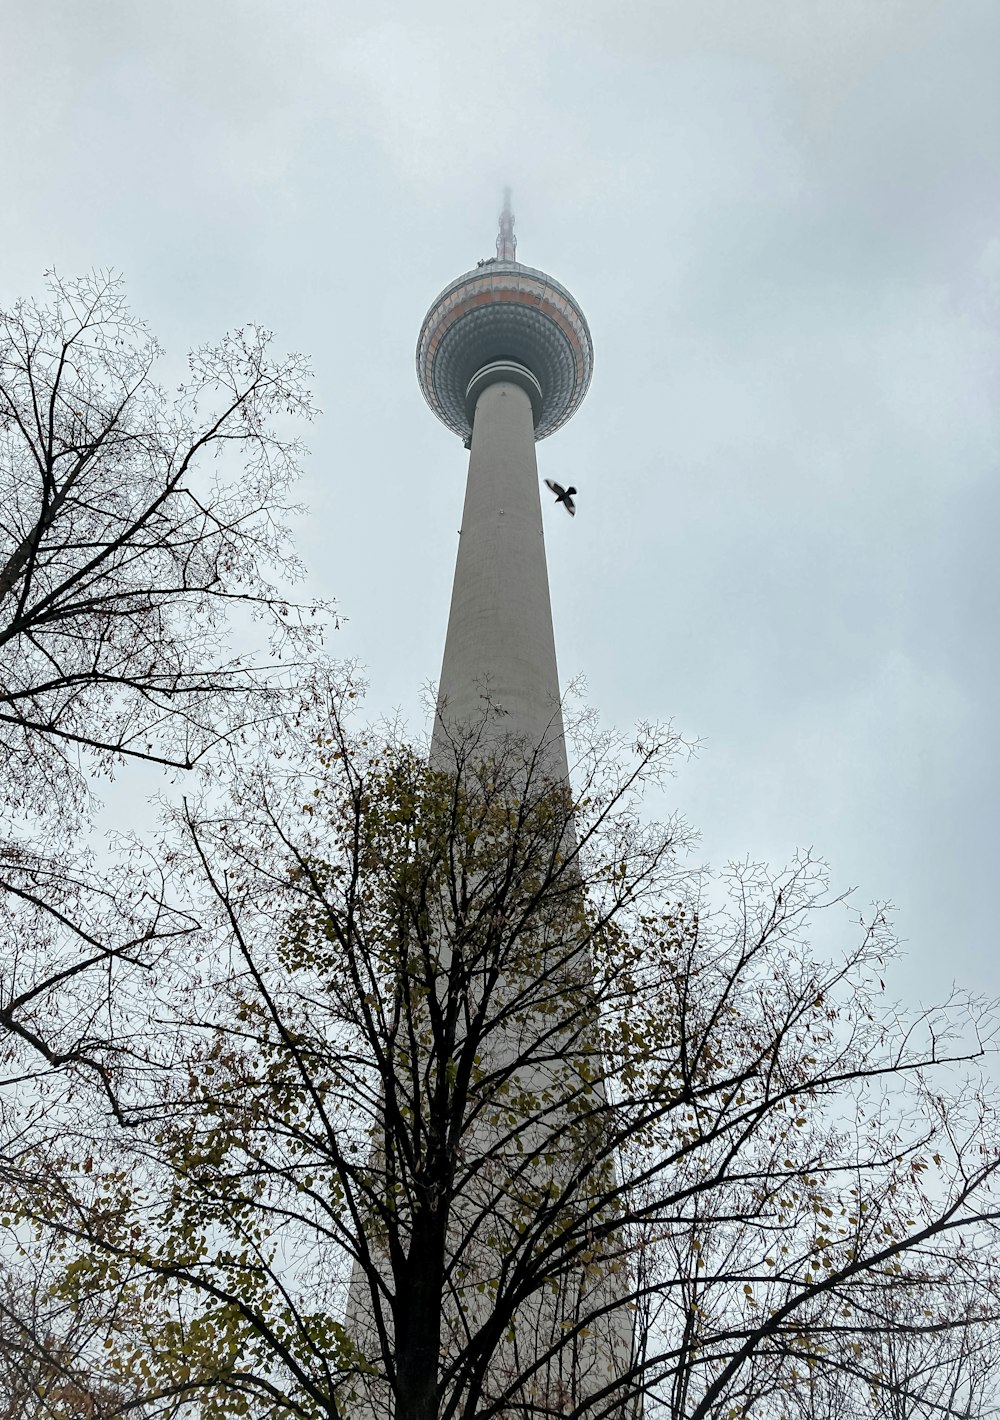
(512, 313)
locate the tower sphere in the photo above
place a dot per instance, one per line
(507, 315)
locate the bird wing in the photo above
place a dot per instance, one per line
(556, 488)
(569, 505)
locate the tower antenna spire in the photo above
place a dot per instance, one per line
(506, 241)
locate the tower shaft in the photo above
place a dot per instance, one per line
(499, 672)
(493, 1098)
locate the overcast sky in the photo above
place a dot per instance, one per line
(783, 223)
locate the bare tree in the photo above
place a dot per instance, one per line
(460, 1072)
(925, 1365)
(133, 524)
(41, 1341)
(121, 552)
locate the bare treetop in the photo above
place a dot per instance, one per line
(130, 524)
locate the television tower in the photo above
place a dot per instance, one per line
(504, 359)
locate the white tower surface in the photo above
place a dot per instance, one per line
(504, 358)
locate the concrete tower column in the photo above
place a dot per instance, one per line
(504, 358)
(499, 676)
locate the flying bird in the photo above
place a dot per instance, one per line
(563, 495)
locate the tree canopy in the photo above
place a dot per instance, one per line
(454, 1060)
(132, 523)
